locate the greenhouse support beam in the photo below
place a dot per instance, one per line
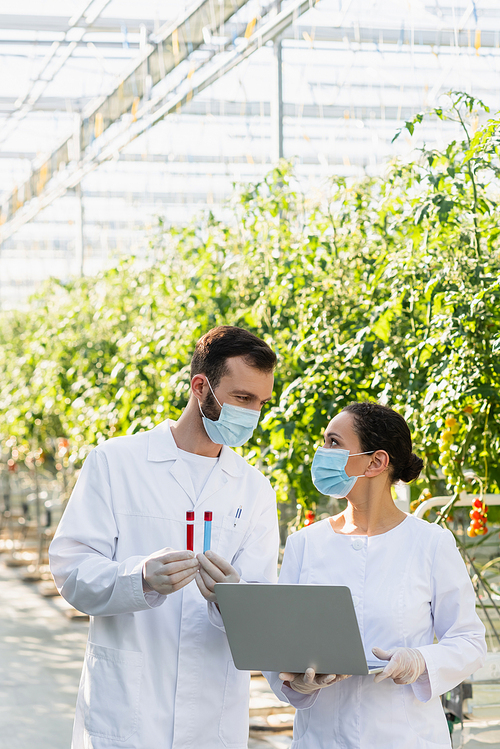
(40, 44)
(58, 24)
(172, 44)
(153, 111)
(424, 37)
(445, 38)
(277, 99)
(54, 63)
(79, 242)
(226, 108)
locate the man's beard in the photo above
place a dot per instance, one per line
(210, 407)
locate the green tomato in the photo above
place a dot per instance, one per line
(444, 458)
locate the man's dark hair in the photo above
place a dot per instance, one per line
(220, 344)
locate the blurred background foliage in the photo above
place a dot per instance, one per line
(386, 288)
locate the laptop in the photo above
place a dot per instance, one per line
(292, 628)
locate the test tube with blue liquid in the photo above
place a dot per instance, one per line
(207, 536)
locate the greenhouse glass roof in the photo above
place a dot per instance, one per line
(115, 112)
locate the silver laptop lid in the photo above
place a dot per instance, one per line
(292, 627)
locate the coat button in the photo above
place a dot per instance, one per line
(357, 544)
(355, 600)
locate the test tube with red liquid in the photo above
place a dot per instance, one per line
(190, 530)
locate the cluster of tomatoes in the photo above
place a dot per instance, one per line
(478, 518)
(447, 455)
(424, 494)
(447, 438)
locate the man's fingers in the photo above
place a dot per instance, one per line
(175, 556)
(183, 582)
(165, 586)
(284, 676)
(207, 579)
(175, 581)
(171, 568)
(221, 563)
(205, 592)
(178, 577)
(212, 569)
(170, 574)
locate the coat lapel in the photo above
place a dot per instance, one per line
(216, 481)
(180, 472)
(162, 447)
(229, 464)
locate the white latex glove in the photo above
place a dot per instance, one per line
(167, 570)
(404, 667)
(214, 569)
(310, 682)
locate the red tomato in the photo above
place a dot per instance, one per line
(310, 517)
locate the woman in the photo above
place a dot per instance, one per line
(409, 586)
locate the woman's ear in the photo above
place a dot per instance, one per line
(378, 464)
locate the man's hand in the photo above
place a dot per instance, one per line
(310, 682)
(214, 569)
(167, 570)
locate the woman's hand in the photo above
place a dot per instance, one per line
(404, 667)
(310, 681)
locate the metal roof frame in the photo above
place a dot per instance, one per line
(145, 116)
(173, 44)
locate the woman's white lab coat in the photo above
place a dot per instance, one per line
(157, 673)
(407, 584)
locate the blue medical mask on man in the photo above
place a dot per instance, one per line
(328, 471)
(234, 426)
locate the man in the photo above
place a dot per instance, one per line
(158, 672)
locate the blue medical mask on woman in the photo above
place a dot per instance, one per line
(328, 474)
(234, 426)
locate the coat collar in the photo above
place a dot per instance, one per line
(162, 447)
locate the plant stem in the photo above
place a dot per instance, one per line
(474, 186)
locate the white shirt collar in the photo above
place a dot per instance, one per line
(162, 447)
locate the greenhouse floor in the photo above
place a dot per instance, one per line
(41, 652)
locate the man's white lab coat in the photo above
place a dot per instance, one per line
(158, 672)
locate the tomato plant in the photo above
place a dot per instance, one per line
(386, 288)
